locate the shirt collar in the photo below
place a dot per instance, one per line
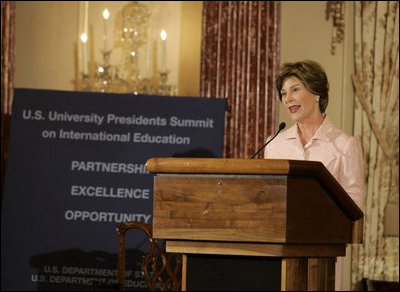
(322, 132)
(324, 129)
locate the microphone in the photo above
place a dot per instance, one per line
(281, 127)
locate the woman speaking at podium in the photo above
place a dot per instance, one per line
(303, 90)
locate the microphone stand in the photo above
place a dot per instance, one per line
(281, 127)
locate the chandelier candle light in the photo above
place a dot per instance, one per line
(163, 51)
(133, 32)
(84, 54)
(106, 15)
(85, 71)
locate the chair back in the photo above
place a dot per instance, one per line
(161, 270)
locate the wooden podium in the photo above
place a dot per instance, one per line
(287, 210)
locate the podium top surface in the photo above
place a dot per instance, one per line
(241, 166)
(229, 165)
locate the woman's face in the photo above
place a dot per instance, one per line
(301, 104)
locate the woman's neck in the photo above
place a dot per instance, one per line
(307, 129)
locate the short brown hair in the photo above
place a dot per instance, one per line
(311, 74)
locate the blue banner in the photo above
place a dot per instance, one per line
(76, 167)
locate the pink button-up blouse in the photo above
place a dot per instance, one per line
(339, 152)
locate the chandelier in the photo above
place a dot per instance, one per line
(132, 32)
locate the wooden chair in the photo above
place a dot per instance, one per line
(160, 270)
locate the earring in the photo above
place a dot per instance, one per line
(317, 98)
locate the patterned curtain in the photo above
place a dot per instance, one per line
(7, 76)
(376, 81)
(239, 58)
